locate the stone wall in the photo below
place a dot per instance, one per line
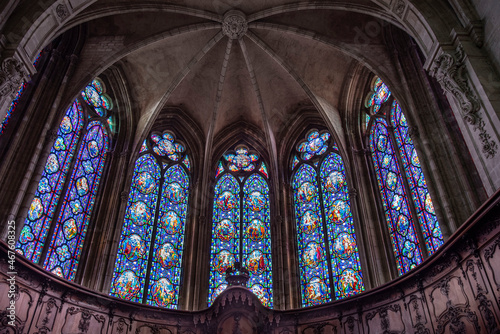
(457, 290)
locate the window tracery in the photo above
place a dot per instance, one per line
(328, 254)
(241, 223)
(65, 222)
(398, 172)
(149, 262)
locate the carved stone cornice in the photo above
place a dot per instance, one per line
(12, 75)
(450, 71)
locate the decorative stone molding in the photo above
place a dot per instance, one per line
(235, 24)
(451, 73)
(62, 12)
(400, 7)
(12, 75)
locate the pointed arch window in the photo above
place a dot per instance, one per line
(241, 229)
(84, 131)
(149, 262)
(407, 203)
(328, 254)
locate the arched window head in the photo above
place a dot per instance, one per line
(66, 221)
(407, 203)
(241, 230)
(328, 254)
(148, 266)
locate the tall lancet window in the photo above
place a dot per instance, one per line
(148, 266)
(408, 206)
(328, 254)
(84, 129)
(241, 230)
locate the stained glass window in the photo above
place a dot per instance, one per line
(149, 261)
(241, 224)
(398, 172)
(65, 222)
(328, 254)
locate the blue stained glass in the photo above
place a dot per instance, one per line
(71, 227)
(380, 93)
(314, 276)
(225, 233)
(166, 267)
(94, 96)
(41, 212)
(131, 263)
(257, 238)
(165, 146)
(394, 197)
(418, 187)
(346, 267)
(242, 159)
(12, 107)
(315, 144)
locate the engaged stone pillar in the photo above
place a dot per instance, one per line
(469, 80)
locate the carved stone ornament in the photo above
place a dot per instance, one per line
(451, 73)
(12, 75)
(62, 12)
(235, 24)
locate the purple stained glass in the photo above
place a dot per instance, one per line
(380, 93)
(69, 233)
(416, 180)
(314, 276)
(346, 267)
(257, 238)
(394, 198)
(42, 209)
(225, 233)
(133, 251)
(165, 274)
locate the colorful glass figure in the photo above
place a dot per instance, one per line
(69, 233)
(94, 95)
(390, 143)
(43, 206)
(151, 247)
(241, 224)
(70, 221)
(326, 242)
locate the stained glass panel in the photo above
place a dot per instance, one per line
(257, 238)
(41, 212)
(225, 233)
(165, 146)
(394, 198)
(166, 267)
(94, 96)
(69, 233)
(133, 251)
(315, 144)
(314, 276)
(242, 159)
(344, 256)
(416, 180)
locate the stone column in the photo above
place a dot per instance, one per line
(470, 82)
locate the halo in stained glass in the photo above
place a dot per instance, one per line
(225, 230)
(344, 246)
(70, 229)
(171, 222)
(309, 222)
(306, 192)
(256, 231)
(66, 126)
(168, 256)
(82, 186)
(227, 201)
(335, 181)
(36, 209)
(350, 283)
(163, 292)
(175, 192)
(313, 254)
(256, 201)
(224, 260)
(139, 213)
(52, 165)
(134, 247)
(256, 262)
(338, 212)
(127, 285)
(316, 291)
(145, 183)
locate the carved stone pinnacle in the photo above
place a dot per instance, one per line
(235, 24)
